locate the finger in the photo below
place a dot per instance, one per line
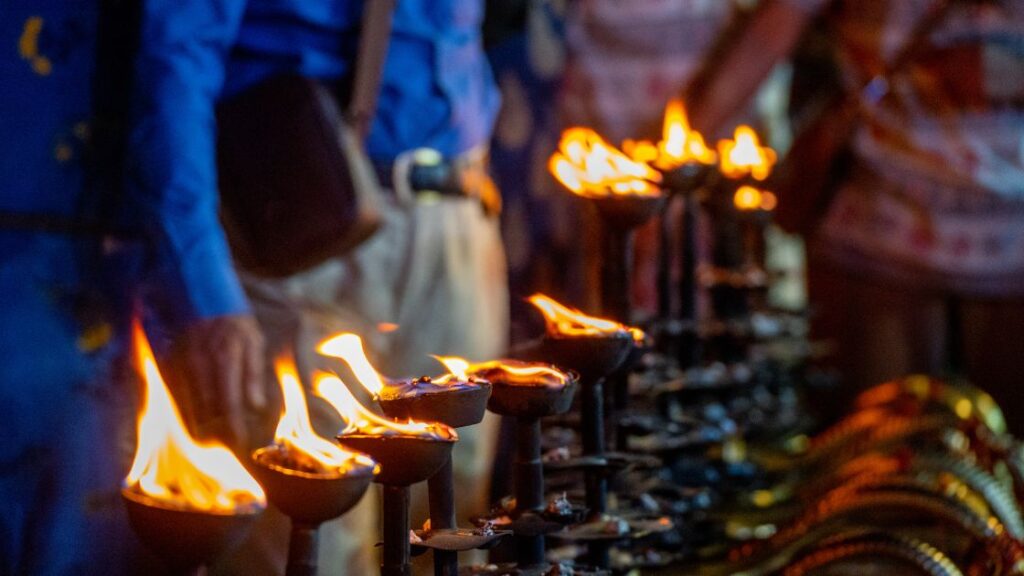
(202, 383)
(230, 387)
(254, 373)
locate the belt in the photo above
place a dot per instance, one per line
(439, 178)
(426, 171)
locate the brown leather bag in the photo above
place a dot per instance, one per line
(296, 186)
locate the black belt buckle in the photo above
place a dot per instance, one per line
(441, 178)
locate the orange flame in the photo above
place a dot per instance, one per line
(590, 167)
(564, 321)
(744, 155)
(359, 420)
(748, 199)
(519, 372)
(349, 348)
(387, 327)
(457, 368)
(295, 431)
(679, 143)
(170, 466)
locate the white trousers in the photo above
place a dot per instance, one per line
(432, 280)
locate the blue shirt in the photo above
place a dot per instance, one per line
(47, 53)
(437, 91)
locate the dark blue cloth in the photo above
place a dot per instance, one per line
(46, 60)
(65, 419)
(61, 410)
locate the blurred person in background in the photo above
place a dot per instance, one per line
(526, 47)
(917, 265)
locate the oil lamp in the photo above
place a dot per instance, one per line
(528, 391)
(626, 193)
(687, 167)
(594, 348)
(407, 452)
(744, 157)
(309, 478)
(187, 501)
(456, 399)
(754, 207)
(743, 163)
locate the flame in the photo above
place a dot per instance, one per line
(295, 431)
(349, 348)
(170, 466)
(679, 143)
(640, 150)
(519, 372)
(748, 199)
(744, 155)
(590, 167)
(565, 321)
(359, 420)
(387, 327)
(457, 368)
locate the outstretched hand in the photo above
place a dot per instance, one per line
(219, 364)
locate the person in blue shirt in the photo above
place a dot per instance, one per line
(66, 412)
(74, 254)
(437, 105)
(434, 274)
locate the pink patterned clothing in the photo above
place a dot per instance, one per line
(936, 197)
(626, 59)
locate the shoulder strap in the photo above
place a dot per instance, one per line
(373, 48)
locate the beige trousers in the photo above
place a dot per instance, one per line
(436, 270)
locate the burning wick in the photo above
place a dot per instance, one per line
(520, 373)
(170, 466)
(297, 446)
(679, 144)
(749, 199)
(456, 379)
(458, 372)
(359, 420)
(349, 348)
(744, 155)
(564, 321)
(590, 167)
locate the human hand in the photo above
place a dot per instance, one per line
(219, 366)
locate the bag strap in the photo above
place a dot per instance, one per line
(369, 66)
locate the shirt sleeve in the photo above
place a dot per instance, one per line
(171, 176)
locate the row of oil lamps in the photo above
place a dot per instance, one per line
(919, 461)
(189, 500)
